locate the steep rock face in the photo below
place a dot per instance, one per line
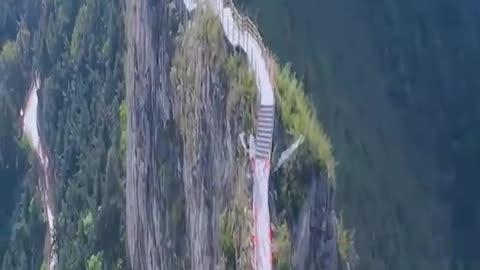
(183, 165)
(304, 187)
(208, 157)
(213, 167)
(323, 226)
(315, 234)
(151, 151)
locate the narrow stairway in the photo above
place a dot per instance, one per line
(263, 140)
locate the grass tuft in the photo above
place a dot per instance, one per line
(346, 244)
(25, 145)
(227, 242)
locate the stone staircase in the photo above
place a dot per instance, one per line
(264, 131)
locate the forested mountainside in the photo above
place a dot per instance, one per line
(141, 105)
(395, 85)
(77, 48)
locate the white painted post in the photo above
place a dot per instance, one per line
(251, 148)
(244, 41)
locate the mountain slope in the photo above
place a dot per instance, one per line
(395, 95)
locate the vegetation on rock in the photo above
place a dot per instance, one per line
(196, 85)
(242, 90)
(282, 247)
(346, 240)
(299, 118)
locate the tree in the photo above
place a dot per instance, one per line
(95, 262)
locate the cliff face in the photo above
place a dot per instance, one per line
(315, 242)
(151, 137)
(318, 239)
(207, 151)
(188, 191)
(184, 168)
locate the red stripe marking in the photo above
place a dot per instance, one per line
(254, 212)
(269, 244)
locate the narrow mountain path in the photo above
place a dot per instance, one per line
(242, 33)
(30, 129)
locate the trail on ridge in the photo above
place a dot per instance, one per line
(31, 130)
(250, 42)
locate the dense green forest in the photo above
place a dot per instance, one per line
(77, 48)
(395, 85)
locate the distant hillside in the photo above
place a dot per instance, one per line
(395, 85)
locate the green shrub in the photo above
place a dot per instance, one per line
(298, 118)
(9, 52)
(345, 241)
(95, 262)
(87, 222)
(25, 145)
(282, 246)
(227, 242)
